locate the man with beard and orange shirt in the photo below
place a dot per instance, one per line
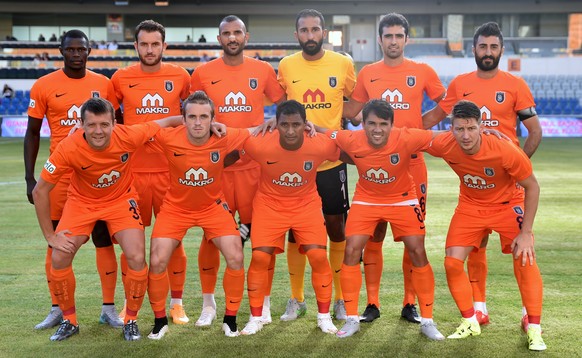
(502, 98)
(401, 82)
(59, 96)
(151, 90)
(237, 84)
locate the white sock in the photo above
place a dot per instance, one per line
(480, 306)
(472, 319)
(523, 312)
(175, 301)
(267, 302)
(538, 326)
(323, 315)
(105, 308)
(208, 300)
(425, 320)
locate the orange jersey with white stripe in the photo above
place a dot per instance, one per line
(488, 178)
(147, 97)
(499, 99)
(289, 174)
(384, 178)
(60, 98)
(98, 176)
(196, 171)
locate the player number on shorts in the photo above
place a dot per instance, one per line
(418, 214)
(519, 220)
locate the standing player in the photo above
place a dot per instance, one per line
(151, 90)
(237, 84)
(59, 96)
(501, 97)
(385, 192)
(195, 198)
(489, 199)
(401, 82)
(285, 200)
(319, 80)
(99, 157)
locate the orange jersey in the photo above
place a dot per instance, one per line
(402, 86)
(288, 174)
(60, 98)
(147, 97)
(384, 178)
(499, 98)
(196, 171)
(98, 176)
(488, 178)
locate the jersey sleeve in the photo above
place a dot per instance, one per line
(249, 148)
(112, 95)
(450, 98)
(418, 139)
(331, 150)
(117, 87)
(434, 86)
(350, 79)
(438, 146)
(524, 96)
(516, 162)
(55, 166)
(195, 82)
(236, 138)
(281, 74)
(360, 93)
(37, 106)
(139, 134)
(273, 89)
(186, 85)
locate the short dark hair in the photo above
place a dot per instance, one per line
(97, 105)
(380, 108)
(73, 34)
(290, 107)
(198, 97)
(393, 19)
(150, 26)
(309, 13)
(486, 30)
(232, 18)
(465, 110)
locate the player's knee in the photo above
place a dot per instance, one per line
(317, 259)
(135, 259)
(235, 260)
(352, 252)
(453, 266)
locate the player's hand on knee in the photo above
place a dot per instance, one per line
(62, 242)
(523, 246)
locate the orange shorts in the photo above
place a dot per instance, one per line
(417, 169)
(151, 188)
(469, 226)
(273, 218)
(215, 220)
(58, 197)
(404, 220)
(239, 189)
(121, 214)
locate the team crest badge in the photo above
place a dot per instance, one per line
(214, 157)
(411, 81)
(253, 83)
(169, 85)
(343, 176)
(133, 203)
(124, 157)
(225, 207)
(423, 188)
(95, 94)
(395, 159)
(518, 210)
(499, 97)
(332, 81)
(489, 172)
(308, 165)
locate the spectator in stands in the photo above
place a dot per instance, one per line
(112, 45)
(102, 45)
(62, 36)
(7, 92)
(188, 38)
(202, 39)
(37, 59)
(41, 38)
(53, 38)
(11, 38)
(93, 44)
(45, 56)
(205, 58)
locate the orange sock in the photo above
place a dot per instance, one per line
(336, 259)
(63, 284)
(531, 289)
(477, 268)
(124, 267)
(423, 281)
(233, 283)
(257, 278)
(459, 286)
(409, 294)
(351, 283)
(158, 286)
(135, 289)
(177, 271)
(321, 278)
(47, 270)
(107, 268)
(208, 265)
(271, 274)
(373, 267)
(296, 264)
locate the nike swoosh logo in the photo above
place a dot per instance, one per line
(177, 272)
(359, 156)
(428, 304)
(268, 162)
(251, 290)
(214, 82)
(131, 86)
(137, 297)
(373, 263)
(295, 81)
(231, 301)
(374, 79)
(110, 272)
(178, 154)
(206, 269)
(465, 94)
(59, 95)
(452, 162)
(87, 167)
(324, 286)
(58, 294)
(422, 228)
(337, 271)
